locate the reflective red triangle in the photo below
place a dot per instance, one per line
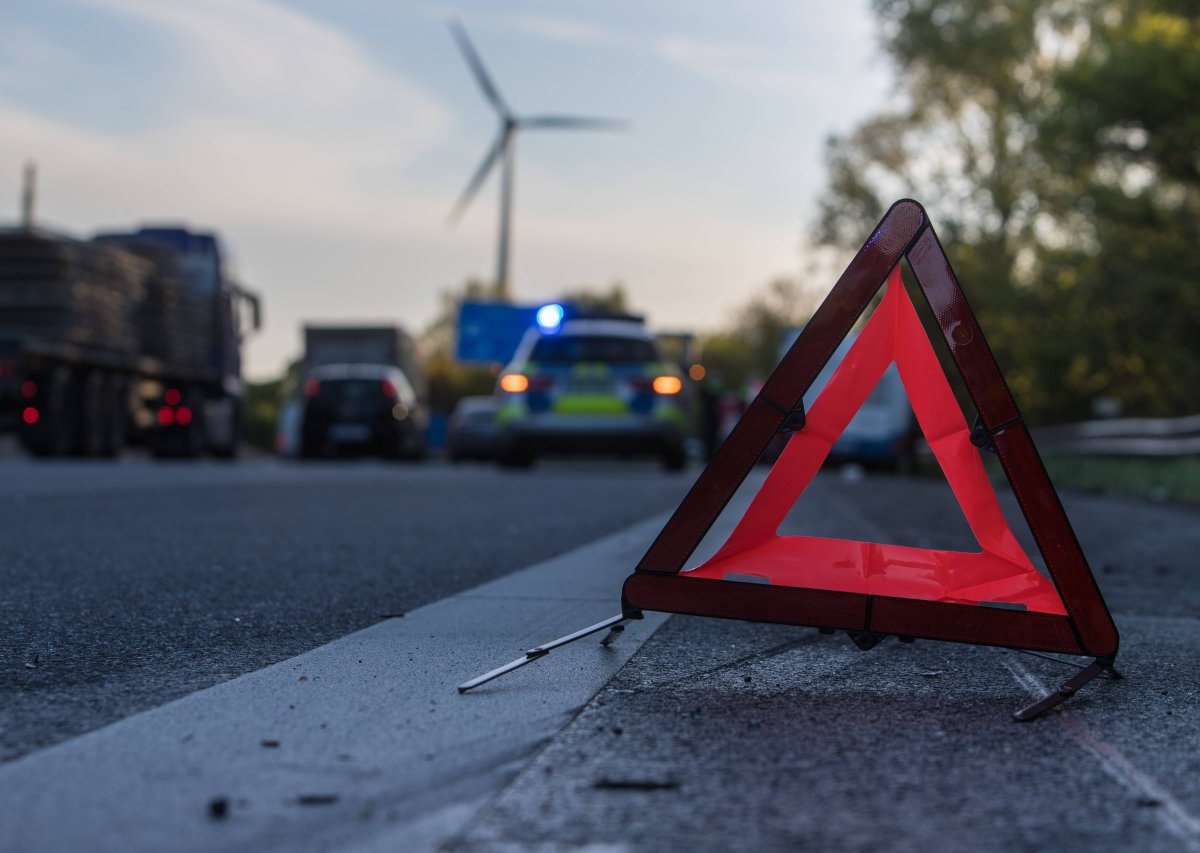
(873, 587)
(1000, 572)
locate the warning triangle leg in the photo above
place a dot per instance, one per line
(1068, 689)
(615, 624)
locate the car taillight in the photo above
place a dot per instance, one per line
(173, 397)
(183, 416)
(514, 383)
(166, 416)
(311, 388)
(666, 385)
(389, 390)
(30, 415)
(540, 383)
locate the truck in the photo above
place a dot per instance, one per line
(120, 338)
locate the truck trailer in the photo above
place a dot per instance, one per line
(122, 338)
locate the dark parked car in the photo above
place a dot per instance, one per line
(361, 409)
(473, 433)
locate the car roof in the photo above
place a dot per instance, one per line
(354, 371)
(605, 328)
(629, 329)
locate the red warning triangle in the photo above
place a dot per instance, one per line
(994, 596)
(1000, 572)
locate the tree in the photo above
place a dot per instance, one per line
(449, 379)
(748, 348)
(1055, 145)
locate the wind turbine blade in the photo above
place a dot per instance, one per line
(477, 68)
(572, 123)
(485, 168)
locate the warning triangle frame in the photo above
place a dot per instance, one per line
(904, 233)
(1086, 629)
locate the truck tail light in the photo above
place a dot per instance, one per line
(30, 415)
(312, 388)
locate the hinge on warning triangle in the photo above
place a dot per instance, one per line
(981, 436)
(793, 419)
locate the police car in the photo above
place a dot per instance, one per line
(587, 383)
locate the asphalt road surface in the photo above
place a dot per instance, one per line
(124, 587)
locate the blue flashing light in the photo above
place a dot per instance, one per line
(550, 317)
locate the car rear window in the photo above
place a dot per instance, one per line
(567, 349)
(349, 390)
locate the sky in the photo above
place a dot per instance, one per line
(326, 141)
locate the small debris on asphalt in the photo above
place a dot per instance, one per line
(1148, 802)
(391, 615)
(303, 678)
(270, 744)
(33, 662)
(317, 799)
(218, 808)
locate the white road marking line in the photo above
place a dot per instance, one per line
(1176, 819)
(1170, 812)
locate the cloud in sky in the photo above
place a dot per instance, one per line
(271, 114)
(723, 60)
(327, 151)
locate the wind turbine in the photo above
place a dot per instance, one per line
(503, 150)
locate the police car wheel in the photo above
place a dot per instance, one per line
(674, 460)
(517, 458)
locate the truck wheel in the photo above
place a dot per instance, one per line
(233, 432)
(92, 437)
(116, 416)
(192, 437)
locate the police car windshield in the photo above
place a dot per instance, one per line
(567, 349)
